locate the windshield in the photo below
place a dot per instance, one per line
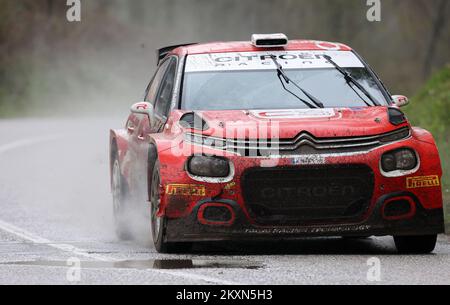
(260, 88)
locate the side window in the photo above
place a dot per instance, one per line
(155, 84)
(165, 93)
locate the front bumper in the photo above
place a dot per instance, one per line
(182, 209)
(423, 222)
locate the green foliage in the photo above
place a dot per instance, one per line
(430, 109)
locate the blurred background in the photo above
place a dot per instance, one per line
(101, 65)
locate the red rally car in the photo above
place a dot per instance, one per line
(274, 139)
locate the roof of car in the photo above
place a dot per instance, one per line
(247, 46)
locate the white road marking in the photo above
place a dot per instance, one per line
(40, 240)
(7, 227)
(28, 142)
(36, 239)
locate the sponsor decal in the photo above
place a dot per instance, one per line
(327, 45)
(309, 160)
(185, 190)
(295, 114)
(306, 192)
(422, 182)
(230, 186)
(142, 106)
(309, 230)
(241, 61)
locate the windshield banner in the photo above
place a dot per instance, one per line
(240, 61)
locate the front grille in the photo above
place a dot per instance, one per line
(296, 196)
(303, 143)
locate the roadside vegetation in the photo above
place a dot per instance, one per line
(430, 109)
(49, 66)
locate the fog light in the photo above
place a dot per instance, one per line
(203, 166)
(398, 208)
(216, 214)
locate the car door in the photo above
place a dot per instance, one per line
(142, 126)
(162, 106)
(163, 99)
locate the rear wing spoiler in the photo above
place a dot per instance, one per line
(162, 53)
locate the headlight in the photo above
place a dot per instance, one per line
(204, 166)
(388, 162)
(206, 141)
(401, 159)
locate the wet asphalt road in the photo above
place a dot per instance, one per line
(55, 205)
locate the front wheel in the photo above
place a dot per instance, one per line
(121, 221)
(415, 244)
(159, 223)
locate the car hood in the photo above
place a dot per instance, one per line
(321, 123)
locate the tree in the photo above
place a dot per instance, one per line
(438, 24)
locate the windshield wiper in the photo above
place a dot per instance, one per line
(281, 73)
(349, 79)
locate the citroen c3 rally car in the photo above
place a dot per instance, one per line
(274, 139)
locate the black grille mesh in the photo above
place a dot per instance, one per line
(295, 196)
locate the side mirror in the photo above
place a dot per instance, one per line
(400, 100)
(143, 108)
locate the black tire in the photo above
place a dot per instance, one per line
(120, 202)
(159, 224)
(415, 244)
